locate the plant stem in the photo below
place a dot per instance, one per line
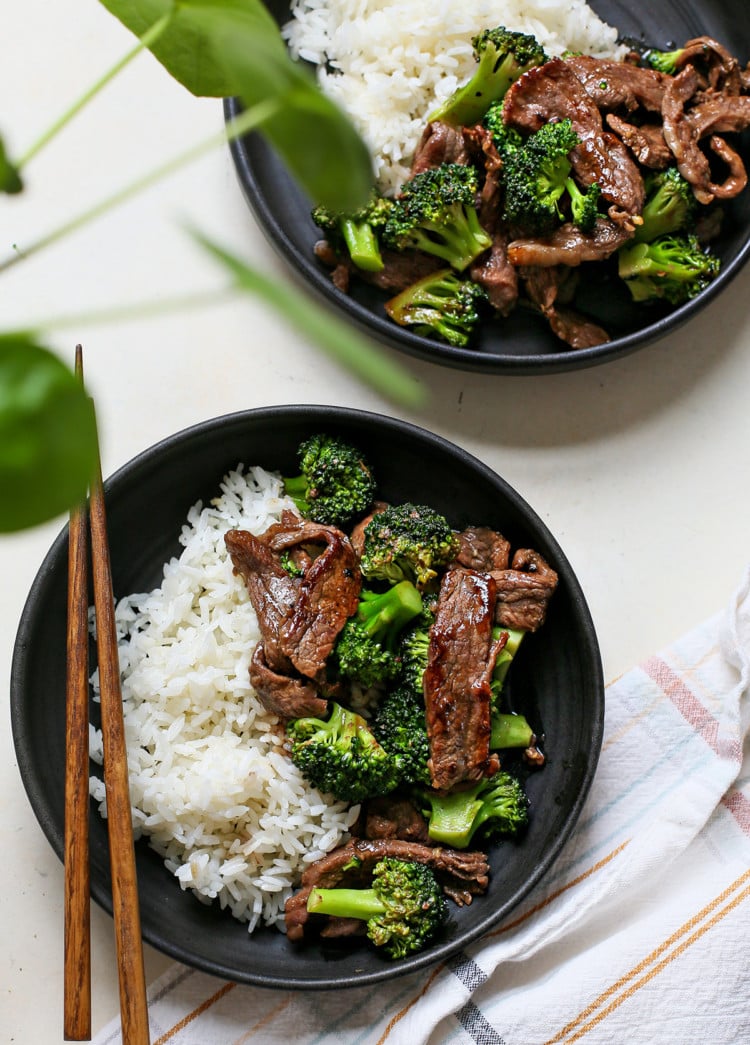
(146, 40)
(243, 123)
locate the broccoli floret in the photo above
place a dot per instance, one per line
(336, 483)
(413, 651)
(357, 233)
(291, 567)
(404, 908)
(535, 178)
(671, 268)
(670, 205)
(506, 139)
(407, 542)
(501, 56)
(584, 206)
(496, 804)
(400, 725)
(365, 648)
(436, 213)
(441, 305)
(341, 756)
(665, 61)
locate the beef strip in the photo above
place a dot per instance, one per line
(568, 245)
(327, 595)
(440, 143)
(552, 91)
(681, 137)
(461, 874)
(545, 287)
(645, 141)
(272, 591)
(399, 270)
(524, 591)
(574, 329)
(460, 661)
(720, 68)
(393, 817)
(719, 114)
(495, 274)
(618, 85)
(482, 548)
(284, 695)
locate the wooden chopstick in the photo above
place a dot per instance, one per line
(77, 959)
(126, 910)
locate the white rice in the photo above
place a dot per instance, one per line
(389, 63)
(211, 785)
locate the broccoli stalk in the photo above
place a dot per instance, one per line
(671, 268)
(584, 206)
(536, 177)
(436, 213)
(335, 483)
(665, 61)
(364, 650)
(670, 205)
(497, 804)
(504, 657)
(341, 756)
(404, 908)
(510, 730)
(501, 56)
(356, 233)
(440, 305)
(407, 542)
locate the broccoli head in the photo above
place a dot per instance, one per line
(584, 206)
(336, 483)
(502, 56)
(413, 651)
(670, 205)
(341, 756)
(356, 233)
(400, 725)
(404, 908)
(436, 213)
(365, 648)
(506, 139)
(497, 805)
(670, 268)
(535, 178)
(665, 61)
(407, 542)
(440, 305)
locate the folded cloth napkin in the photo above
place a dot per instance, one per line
(639, 933)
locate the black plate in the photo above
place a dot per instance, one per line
(523, 343)
(557, 678)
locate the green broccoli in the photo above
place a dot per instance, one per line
(413, 651)
(671, 268)
(535, 178)
(510, 730)
(336, 483)
(584, 206)
(357, 233)
(440, 305)
(341, 755)
(365, 648)
(504, 657)
(506, 139)
(404, 908)
(407, 542)
(498, 805)
(665, 61)
(400, 725)
(670, 205)
(502, 56)
(436, 213)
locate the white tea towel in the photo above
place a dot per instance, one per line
(639, 933)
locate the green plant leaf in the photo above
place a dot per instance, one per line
(10, 179)
(338, 339)
(47, 434)
(223, 48)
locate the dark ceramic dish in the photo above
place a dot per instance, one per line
(557, 678)
(522, 344)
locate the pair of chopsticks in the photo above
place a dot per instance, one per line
(126, 912)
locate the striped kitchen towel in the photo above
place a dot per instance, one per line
(639, 933)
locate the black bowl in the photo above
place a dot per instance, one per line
(523, 343)
(557, 679)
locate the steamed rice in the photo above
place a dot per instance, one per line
(211, 786)
(389, 63)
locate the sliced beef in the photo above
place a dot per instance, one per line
(272, 591)
(395, 817)
(482, 548)
(460, 661)
(574, 329)
(461, 874)
(495, 274)
(524, 591)
(615, 85)
(400, 270)
(546, 286)
(283, 695)
(439, 144)
(568, 245)
(681, 137)
(715, 63)
(719, 114)
(552, 92)
(645, 141)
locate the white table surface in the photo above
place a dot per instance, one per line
(640, 467)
